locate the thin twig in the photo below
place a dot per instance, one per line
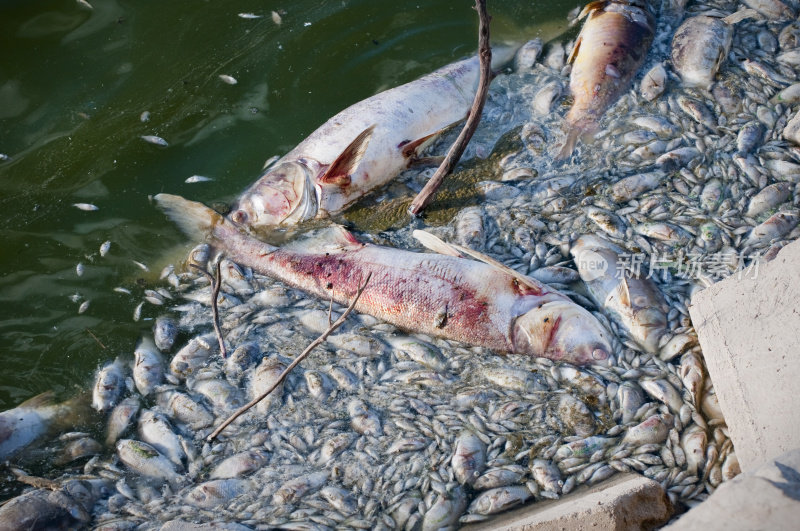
(473, 118)
(95, 338)
(216, 283)
(292, 365)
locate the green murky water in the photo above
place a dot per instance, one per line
(73, 84)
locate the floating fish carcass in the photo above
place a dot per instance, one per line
(700, 46)
(361, 148)
(610, 49)
(470, 301)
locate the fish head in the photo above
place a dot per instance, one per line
(284, 195)
(563, 331)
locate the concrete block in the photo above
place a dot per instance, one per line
(768, 498)
(624, 502)
(749, 330)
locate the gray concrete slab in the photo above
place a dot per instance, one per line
(769, 498)
(624, 502)
(749, 330)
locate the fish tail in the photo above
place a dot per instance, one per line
(569, 145)
(197, 220)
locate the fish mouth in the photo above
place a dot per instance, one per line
(284, 195)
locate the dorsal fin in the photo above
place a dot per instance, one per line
(592, 6)
(435, 243)
(48, 398)
(333, 239)
(412, 149)
(342, 168)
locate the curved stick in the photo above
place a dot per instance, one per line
(473, 118)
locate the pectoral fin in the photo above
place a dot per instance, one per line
(342, 168)
(575, 47)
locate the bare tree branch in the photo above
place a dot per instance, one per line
(216, 283)
(292, 365)
(473, 118)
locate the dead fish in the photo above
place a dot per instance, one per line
(148, 366)
(633, 301)
(104, 248)
(773, 227)
(478, 302)
(701, 44)
(197, 179)
(607, 54)
(37, 418)
(653, 82)
(359, 149)
(145, 460)
(469, 458)
(68, 507)
(87, 207)
(773, 9)
(248, 16)
(155, 140)
(121, 418)
(108, 386)
(230, 80)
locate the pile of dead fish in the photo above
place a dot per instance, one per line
(690, 178)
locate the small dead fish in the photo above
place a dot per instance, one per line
(165, 332)
(155, 140)
(144, 117)
(701, 44)
(108, 386)
(653, 82)
(121, 418)
(104, 248)
(148, 366)
(469, 458)
(197, 179)
(768, 198)
(143, 459)
(230, 80)
(249, 16)
(83, 307)
(500, 499)
(276, 18)
(239, 465)
(87, 207)
(141, 266)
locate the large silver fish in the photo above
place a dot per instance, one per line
(361, 148)
(631, 299)
(447, 296)
(609, 50)
(37, 418)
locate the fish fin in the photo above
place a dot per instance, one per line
(434, 243)
(592, 6)
(198, 221)
(575, 47)
(342, 168)
(740, 16)
(569, 145)
(48, 398)
(624, 291)
(413, 148)
(423, 162)
(333, 239)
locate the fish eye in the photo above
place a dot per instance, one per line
(239, 216)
